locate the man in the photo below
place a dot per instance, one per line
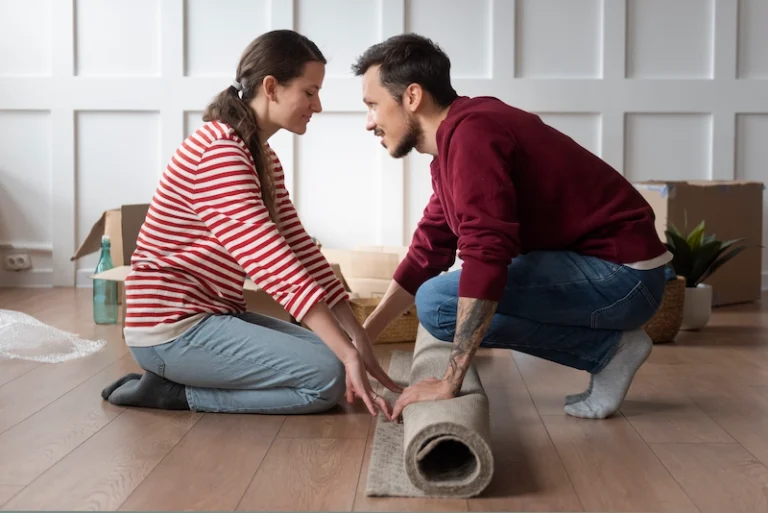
(560, 256)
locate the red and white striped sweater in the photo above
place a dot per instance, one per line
(207, 228)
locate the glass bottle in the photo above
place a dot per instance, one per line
(105, 291)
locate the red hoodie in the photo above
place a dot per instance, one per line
(504, 183)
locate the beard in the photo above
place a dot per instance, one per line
(413, 136)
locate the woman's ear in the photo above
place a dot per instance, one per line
(269, 87)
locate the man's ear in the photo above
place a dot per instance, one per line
(269, 87)
(413, 97)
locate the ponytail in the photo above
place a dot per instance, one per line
(229, 108)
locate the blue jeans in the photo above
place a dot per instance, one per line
(249, 363)
(557, 305)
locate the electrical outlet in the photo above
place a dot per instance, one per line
(17, 262)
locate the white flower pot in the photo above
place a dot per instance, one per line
(698, 307)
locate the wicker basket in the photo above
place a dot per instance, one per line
(666, 323)
(402, 329)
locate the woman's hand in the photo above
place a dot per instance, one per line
(358, 385)
(365, 348)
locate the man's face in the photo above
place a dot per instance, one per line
(397, 128)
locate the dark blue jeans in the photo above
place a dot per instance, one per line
(557, 305)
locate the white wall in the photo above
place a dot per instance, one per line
(95, 95)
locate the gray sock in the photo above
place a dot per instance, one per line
(611, 384)
(117, 384)
(151, 391)
(575, 398)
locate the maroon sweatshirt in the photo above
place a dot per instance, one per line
(505, 184)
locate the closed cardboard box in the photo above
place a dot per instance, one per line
(730, 210)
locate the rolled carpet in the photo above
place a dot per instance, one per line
(442, 448)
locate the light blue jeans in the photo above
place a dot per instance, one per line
(557, 305)
(249, 363)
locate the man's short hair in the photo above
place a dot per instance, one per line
(407, 59)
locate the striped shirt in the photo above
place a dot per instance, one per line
(207, 229)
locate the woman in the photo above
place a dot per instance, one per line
(221, 213)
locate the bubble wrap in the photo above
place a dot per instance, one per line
(24, 337)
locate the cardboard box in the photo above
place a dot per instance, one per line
(368, 271)
(122, 225)
(731, 210)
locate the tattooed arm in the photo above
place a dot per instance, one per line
(473, 316)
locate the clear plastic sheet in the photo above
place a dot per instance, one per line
(24, 337)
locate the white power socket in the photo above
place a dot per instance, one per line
(17, 262)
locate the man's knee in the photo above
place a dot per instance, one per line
(434, 301)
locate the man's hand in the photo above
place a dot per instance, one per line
(430, 389)
(473, 316)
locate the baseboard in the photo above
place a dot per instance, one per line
(33, 278)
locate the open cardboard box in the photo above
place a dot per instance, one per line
(121, 225)
(731, 210)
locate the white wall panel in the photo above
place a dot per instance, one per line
(25, 177)
(753, 39)
(752, 157)
(25, 37)
(668, 146)
(193, 119)
(418, 187)
(217, 33)
(118, 162)
(336, 169)
(670, 39)
(114, 37)
(462, 28)
(584, 128)
(339, 46)
(653, 86)
(558, 38)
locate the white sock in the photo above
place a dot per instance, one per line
(610, 385)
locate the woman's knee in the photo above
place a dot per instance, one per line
(331, 382)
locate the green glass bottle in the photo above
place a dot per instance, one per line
(105, 291)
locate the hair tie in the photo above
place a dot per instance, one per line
(239, 87)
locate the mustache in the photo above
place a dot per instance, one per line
(378, 132)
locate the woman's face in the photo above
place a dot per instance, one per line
(295, 102)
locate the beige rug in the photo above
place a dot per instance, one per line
(442, 449)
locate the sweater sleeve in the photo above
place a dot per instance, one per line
(301, 243)
(432, 249)
(227, 197)
(479, 169)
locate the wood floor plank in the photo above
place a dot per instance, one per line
(11, 369)
(36, 389)
(612, 469)
(106, 469)
(528, 474)
(297, 474)
(718, 477)
(343, 421)
(549, 383)
(662, 413)
(740, 409)
(37, 443)
(7, 492)
(211, 467)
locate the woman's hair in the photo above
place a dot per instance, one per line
(282, 54)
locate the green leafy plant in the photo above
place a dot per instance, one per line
(697, 255)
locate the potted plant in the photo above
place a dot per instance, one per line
(696, 256)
